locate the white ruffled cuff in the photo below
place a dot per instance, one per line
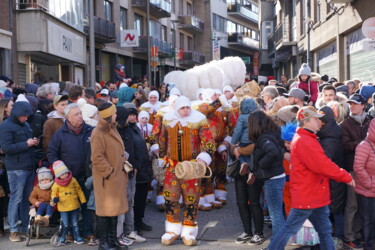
(154, 147)
(228, 139)
(189, 232)
(205, 157)
(221, 148)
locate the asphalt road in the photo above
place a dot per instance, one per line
(218, 230)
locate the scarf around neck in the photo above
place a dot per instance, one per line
(45, 186)
(66, 181)
(77, 131)
(359, 118)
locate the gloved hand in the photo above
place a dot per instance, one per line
(56, 199)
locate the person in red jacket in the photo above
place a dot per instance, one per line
(310, 172)
(310, 87)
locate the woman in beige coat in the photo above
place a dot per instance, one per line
(109, 177)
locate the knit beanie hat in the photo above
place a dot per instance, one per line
(366, 91)
(328, 114)
(304, 70)
(44, 173)
(288, 113)
(88, 110)
(60, 168)
(143, 114)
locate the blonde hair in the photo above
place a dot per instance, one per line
(338, 110)
(3, 104)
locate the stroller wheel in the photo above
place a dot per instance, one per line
(55, 240)
(27, 241)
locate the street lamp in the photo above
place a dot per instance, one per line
(174, 42)
(309, 25)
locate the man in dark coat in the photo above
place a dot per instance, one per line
(71, 144)
(330, 136)
(17, 144)
(135, 146)
(354, 130)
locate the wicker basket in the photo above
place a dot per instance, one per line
(249, 89)
(188, 170)
(159, 169)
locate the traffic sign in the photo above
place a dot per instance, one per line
(368, 28)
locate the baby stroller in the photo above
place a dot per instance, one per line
(55, 239)
(33, 229)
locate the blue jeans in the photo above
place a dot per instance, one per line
(339, 225)
(274, 193)
(45, 208)
(70, 219)
(87, 215)
(319, 217)
(21, 185)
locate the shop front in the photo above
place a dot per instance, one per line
(49, 49)
(327, 60)
(360, 57)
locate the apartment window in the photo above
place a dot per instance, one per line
(181, 7)
(123, 17)
(190, 44)
(189, 9)
(173, 6)
(155, 29)
(163, 33)
(138, 24)
(181, 40)
(219, 23)
(304, 19)
(108, 10)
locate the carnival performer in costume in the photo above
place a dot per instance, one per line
(152, 106)
(154, 140)
(215, 111)
(184, 136)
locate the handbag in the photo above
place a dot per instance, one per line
(233, 169)
(128, 167)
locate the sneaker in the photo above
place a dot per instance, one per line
(15, 237)
(267, 219)
(256, 239)
(133, 235)
(244, 170)
(125, 241)
(69, 238)
(62, 241)
(143, 227)
(339, 244)
(354, 244)
(243, 238)
(79, 241)
(93, 241)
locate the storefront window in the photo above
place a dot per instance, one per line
(327, 60)
(360, 60)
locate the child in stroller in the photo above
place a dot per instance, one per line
(40, 197)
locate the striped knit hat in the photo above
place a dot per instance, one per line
(60, 168)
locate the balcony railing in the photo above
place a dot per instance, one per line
(164, 49)
(192, 58)
(242, 12)
(104, 30)
(190, 23)
(158, 8)
(242, 40)
(71, 14)
(282, 33)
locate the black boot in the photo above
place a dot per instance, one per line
(112, 235)
(102, 226)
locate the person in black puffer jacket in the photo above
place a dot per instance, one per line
(135, 146)
(330, 135)
(268, 163)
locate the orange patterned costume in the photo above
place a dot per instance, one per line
(183, 140)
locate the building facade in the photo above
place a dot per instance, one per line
(49, 39)
(326, 34)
